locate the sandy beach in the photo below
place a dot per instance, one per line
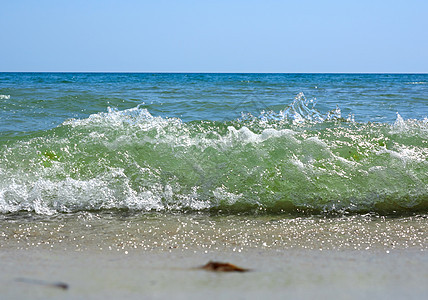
(302, 274)
(136, 258)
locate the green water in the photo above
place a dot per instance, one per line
(132, 160)
(213, 143)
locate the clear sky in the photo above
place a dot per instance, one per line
(214, 36)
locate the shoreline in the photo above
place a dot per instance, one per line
(92, 231)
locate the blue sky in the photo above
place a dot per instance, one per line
(214, 36)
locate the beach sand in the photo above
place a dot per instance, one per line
(274, 274)
(158, 257)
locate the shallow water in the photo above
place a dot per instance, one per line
(205, 234)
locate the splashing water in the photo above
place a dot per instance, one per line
(295, 160)
(302, 110)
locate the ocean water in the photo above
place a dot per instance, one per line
(217, 143)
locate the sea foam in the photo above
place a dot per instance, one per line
(295, 160)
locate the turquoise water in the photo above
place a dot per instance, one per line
(233, 143)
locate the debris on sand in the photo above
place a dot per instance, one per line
(222, 267)
(59, 285)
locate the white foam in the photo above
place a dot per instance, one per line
(399, 123)
(221, 194)
(245, 135)
(107, 191)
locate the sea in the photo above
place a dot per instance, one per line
(240, 160)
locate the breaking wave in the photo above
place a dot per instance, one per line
(297, 159)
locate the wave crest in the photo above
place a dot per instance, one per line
(133, 160)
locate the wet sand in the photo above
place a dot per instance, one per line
(157, 257)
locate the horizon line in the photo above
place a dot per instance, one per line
(207, 72)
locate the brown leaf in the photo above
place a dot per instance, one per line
(222, 267)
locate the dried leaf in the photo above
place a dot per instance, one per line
(222, 267)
